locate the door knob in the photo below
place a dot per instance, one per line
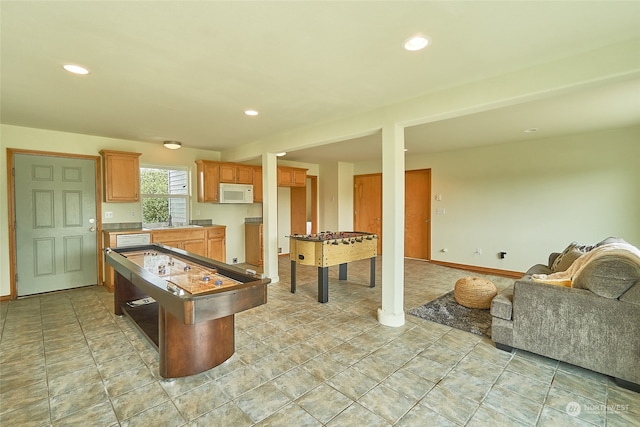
(92, 229)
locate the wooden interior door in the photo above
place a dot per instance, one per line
(299, 210)
(367, 205)
(417, 214)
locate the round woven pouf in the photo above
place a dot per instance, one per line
(474, 292)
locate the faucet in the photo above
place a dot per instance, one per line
(170, 224)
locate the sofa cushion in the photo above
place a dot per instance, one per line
(608, 276)
(578, 327)
(632, 295)
(502, 331)
(537, 269)
(501, 305)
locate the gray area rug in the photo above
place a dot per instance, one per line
(446, 311)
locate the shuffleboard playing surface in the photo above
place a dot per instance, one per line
(191, 277)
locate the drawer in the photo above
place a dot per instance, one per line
(181, 235)
(216, 232)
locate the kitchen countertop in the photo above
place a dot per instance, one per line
(149, 230)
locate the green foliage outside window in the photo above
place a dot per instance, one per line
(154, 181)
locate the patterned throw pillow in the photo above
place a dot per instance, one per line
(569, 255)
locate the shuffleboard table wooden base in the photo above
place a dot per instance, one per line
(183, 303)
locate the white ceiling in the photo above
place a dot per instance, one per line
(186, 70)
(614, 105)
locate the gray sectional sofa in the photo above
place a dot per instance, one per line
(594, 323)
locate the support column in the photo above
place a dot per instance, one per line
(392, 311)
(270, 215)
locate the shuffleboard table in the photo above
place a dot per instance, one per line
(332, 248)
(183, 303)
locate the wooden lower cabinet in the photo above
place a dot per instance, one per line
(195, 246)
(206, 241)
(192, 240)
(253, 244)
(216, 244)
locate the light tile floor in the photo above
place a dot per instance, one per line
(66, 360)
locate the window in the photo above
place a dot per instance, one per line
(165, 196)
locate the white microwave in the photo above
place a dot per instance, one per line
(236, 193)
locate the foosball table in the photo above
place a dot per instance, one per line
(332, 248)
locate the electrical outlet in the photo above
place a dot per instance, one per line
(479, 251)
(279, 250)
(133, 214)
(108, 214)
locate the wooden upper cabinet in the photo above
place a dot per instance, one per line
(212, 173)
(292, 177)
(121, 176)
(236, 174)
(208, 181)
(257, 184)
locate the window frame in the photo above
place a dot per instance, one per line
(167, 196)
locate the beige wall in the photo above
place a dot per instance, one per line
(531, 198)
(232, 215)
(525, 198)
(44, 140)
(328, 197)
(345, 196)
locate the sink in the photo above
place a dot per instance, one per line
(173, 227)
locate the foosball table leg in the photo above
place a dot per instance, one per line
(293, 277)
(342, 271)
(323, 284)
(372, 273)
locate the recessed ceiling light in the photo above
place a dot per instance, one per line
(416, 42)
(251, 112)
(531, 130)
(75, 69)
(284, 153)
